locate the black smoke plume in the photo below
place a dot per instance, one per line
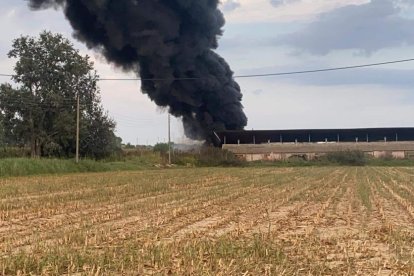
(165, 40)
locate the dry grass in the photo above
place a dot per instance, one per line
(238, 221)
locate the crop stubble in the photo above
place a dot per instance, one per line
(269, 221)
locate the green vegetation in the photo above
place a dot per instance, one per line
(128, 159)
(208, 157)
(14, 152)
(351, 158)
(232, 256)
(345, 158)
(214, 157)
(386, 162)
(364, 191)
(27, 166)
(2, 141)
(162, 147)
(142, 157)
(40, 111)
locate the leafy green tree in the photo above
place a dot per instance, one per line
(1, 130)
(129, 146)
(99, 138)
(162, 147)
(41, 110)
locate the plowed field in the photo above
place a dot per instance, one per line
(243, 221)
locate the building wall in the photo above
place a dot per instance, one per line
(309, 151)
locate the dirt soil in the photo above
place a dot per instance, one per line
(324, 221)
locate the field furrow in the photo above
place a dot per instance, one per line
(212, 221)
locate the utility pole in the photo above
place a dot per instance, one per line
(169, 139)
(77, 128)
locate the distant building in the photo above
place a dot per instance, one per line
(309, 144)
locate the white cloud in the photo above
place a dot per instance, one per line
(277, 3)
(366, 28)
(264, 11)
(230, 5)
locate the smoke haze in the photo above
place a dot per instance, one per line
(165, 40)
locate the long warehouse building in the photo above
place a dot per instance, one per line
(310, 143)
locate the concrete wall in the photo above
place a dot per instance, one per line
(279, 151)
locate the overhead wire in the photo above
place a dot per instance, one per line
(128, 121)
(259, 75)
(326, 69)
(123, 120)
(273, 74)
(34, 103)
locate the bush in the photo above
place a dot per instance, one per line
(184, 159)
(215, 157)
(204, 157)
(349, 158)
(161, 148)
(14, 152)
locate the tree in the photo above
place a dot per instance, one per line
(99, 138)
(1, 130)
(162, 147)
(41, 110)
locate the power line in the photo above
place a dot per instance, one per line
(326, 69)
(29, 102)
(151, 79)
(259, 75)
(275, 74)
(122, 119)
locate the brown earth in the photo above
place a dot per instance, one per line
(248, 221)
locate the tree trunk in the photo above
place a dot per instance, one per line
(38, 149)
(33, 148)
(32, 137)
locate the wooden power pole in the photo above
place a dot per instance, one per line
(77, 128)
(169, 139)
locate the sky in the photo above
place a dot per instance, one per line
(271, 36)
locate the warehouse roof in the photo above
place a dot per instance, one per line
(314, 135)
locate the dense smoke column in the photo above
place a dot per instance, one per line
(165, 40)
